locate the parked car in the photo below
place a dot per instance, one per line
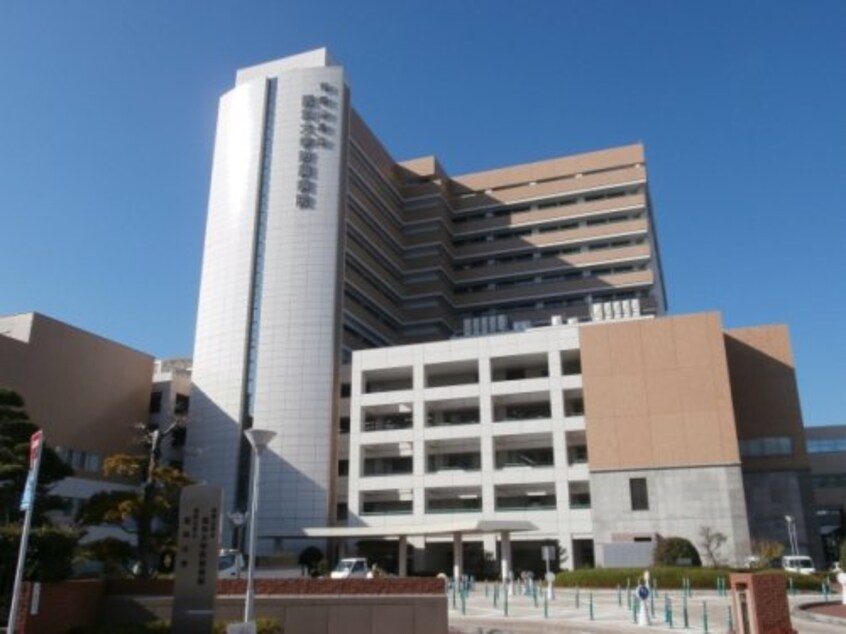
(349, 568)
(802, 564)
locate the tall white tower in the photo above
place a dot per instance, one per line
(268, 323)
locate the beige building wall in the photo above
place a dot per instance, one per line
(765, 393)
(657, 394)
(84, 391)
(776, 470)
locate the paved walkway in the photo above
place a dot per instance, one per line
(604, 611)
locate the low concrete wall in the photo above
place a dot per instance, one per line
(307, 613)
(308, 606)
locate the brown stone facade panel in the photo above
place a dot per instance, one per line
(657, 393)
(765, 393)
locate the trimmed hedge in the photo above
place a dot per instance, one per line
(668, 578)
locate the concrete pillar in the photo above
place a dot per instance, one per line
(403, 556)
(457, 556)
(505, 554)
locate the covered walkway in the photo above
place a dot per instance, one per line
(456, 529)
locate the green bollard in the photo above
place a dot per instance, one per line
(685, 613)
(652, 604)
(629, 598)
(486, 588)
(577, 597)
(705, 617)
(505, 600)
(496, 594)
(792, 590)
(590, 599)
(655, 587)
(729, 619)
(535, 595)
(666, 609)
(634, 612)
(545, 607)
(454, 604)
(619, 596)
(463, 604)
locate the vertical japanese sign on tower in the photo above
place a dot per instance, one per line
(36, 443)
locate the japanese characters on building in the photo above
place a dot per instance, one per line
(317, 131)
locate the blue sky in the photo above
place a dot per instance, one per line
(108, 108)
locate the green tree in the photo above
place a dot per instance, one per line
(16, 429)
(766, 552)
(148, 511)
(671, 550)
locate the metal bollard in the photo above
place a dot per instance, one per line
(496, 594)
(535, 595)
(729, 619)
(545, 607)
(505, 602)
(705, 617)
(577, 597)
(619, 596)
(685, 613)
(463, 603)
(590, 599)
(486, 587)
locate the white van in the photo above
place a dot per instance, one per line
(802, 564)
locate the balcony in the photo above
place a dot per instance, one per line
(521, 407)
(516, 368)
(386, 417)
(532, 497)
(454, 500)
(387, 503)
(387, 380)
(449, 374)
(526, 451)
(450, 412)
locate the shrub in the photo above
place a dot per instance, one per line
(674, 550)
(49, 555)
(668, 578)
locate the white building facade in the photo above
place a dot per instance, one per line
(486, 428)
(267, 341)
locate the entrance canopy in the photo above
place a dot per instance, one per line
(456, 529)
(415, 530)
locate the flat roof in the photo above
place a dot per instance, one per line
(445, 528)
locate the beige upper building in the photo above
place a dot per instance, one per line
(427, 252)
(84, 391)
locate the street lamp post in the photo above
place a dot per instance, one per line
(259, 439)
(791, 534)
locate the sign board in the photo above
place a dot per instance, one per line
(548, 553)
(195, 570)
(550, 577)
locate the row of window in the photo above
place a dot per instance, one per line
(560, 202)
(826, 445)
(466, 461)
(766, 446)
(534, 280)
(547, 227)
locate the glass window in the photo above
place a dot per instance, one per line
(639, 494)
